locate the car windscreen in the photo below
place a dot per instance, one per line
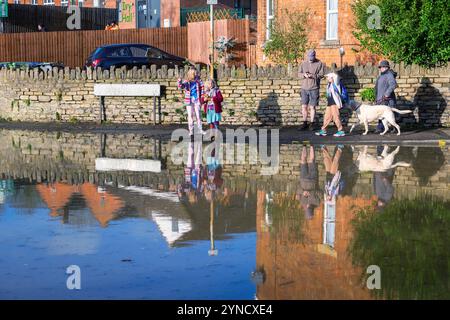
(96, 52)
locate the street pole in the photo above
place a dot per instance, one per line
(211, 68)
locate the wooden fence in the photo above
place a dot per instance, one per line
(72, 48)
(199, 40)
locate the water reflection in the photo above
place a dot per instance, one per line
(310, 232)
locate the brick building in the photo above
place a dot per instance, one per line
(171, 13)
(81, 3)
(331, 28)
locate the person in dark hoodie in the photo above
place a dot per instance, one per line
(384, 88)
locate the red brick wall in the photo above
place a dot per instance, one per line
(328, 53)
(170, 9)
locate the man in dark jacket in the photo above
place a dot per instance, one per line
(384, 88)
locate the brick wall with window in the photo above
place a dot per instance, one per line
(330, 28)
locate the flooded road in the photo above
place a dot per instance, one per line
(141, 224)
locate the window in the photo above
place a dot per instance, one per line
(332, 20)
(80, 3)
(16, 1)
(64, 3)
(154, 53)
(118, 52)
(270, 16)
(35, 2)
(139, 52)
(49, 2)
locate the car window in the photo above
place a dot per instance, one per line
(154, 53)
(139, 52)
(118, 52)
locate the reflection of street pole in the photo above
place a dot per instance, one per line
(212, 251)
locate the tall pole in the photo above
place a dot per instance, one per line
(211, 68)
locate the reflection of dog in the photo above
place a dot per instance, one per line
(367, 113)
(383, 163)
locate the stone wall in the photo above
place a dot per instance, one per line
(253, 96)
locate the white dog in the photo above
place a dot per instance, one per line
(367, 113)
(383, 163)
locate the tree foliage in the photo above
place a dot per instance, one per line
(409, 241)
(289, 38)
(410, 31)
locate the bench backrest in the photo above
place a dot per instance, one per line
(127, 90)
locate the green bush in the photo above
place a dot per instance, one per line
(413, 32)
(409, 241)
(289, 37)
(368, 94)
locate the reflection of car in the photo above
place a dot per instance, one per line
(131, 55)
(44, 66)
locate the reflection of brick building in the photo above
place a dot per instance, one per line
(102, 205)
(330, 28)
(309, 269)
(81, 3)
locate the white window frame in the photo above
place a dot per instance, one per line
(81, 3)
(16, 1)
(49, 2)
(330, 12)
(64, 3)
(34, 2)
(270, 16)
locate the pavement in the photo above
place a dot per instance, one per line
(435, 136)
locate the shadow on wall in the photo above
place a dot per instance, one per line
(430, 104)
(268, 113)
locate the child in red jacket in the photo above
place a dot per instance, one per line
(213, 105)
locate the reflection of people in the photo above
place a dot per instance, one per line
(333, 186)
(193, 175)
(213, 182)
(333, 174)
(382, 184)
(309, 196)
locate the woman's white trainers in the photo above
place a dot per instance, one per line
(339, 134)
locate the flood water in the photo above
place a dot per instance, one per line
(140, 225)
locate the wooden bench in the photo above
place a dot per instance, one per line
(126, 90)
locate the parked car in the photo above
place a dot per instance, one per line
(131, 55)
(44, 66)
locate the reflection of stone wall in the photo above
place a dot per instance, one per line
(41, 155)
(252, 96)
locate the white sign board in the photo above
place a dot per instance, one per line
(211, 2)
(135, 165)
(127, 90)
